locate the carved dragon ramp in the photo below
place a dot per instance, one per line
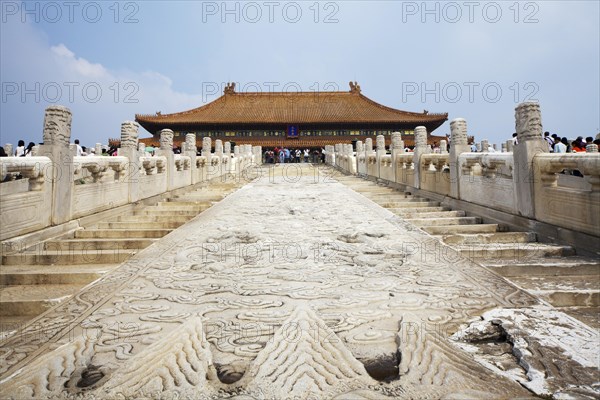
(292, 287)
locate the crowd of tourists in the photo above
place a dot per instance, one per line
(557, 144)
(27, 151)
(284, 155)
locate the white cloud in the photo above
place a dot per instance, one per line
(80, 66)
(99, 97)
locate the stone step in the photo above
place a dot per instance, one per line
(376, 191)
(459, 229)
(387, 196)
(174, 208)
(421, 222)
(153, 218)
(121, 233)
(50, 257)
(140, 225)
(97, 244)
(546, 267)
(433, 214)
(392, 200)
(52, 275)
(401, 202)
(33, 300)
(413, 210)
(208, 201)
(513, 251)
(412, 204)
(496, 237)
(184, 204)
(189, 213)
(563, 291)
(368, 188)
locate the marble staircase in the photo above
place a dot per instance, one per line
(551, 272)
(38, 278)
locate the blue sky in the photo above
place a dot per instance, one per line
(109, 60)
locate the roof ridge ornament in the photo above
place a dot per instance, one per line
(354, 87)
(229, 88)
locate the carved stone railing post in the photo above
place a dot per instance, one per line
(191, 150)
(219, 156)
(379, 152)
(485, 146)
(360, 154)
(129, 148)
(368, 146)
(360, 148)
(258, 155)
(397, 148)
(443, 147)
(458, 136)
(219, 148)
(420, 149)
(207, 148)
(166, 150)
(57, 134)
(529, 135)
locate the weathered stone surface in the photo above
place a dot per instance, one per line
(190, 142)
(57, 126)
(547, 351)
(528, 119)
(485, 146)
(458, 137)
(420, 137)
(380, 143)
(528, 125)
(166, 140)
(458, 131)
(129, 134)
(443, 147)
(359, 147)
(206, 146)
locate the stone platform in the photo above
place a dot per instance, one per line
(296, 286)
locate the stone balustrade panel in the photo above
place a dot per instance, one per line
(405, 174)
(24, 201)
(435, 176)
(105, 186)
(386, 168)
(568, 201)
(480, 182)
(182, 175)
(372, 166)
(154, 181)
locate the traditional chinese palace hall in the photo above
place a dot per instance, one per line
(296, 120)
